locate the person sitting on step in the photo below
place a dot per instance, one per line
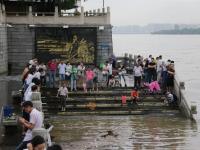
(134, 96)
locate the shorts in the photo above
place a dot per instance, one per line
(89, 84)
(95, 80)
(68, 78)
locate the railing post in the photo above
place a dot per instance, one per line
(193, 107)
(182, 85)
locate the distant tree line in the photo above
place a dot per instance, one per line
(179, 31)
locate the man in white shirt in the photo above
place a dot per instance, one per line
(138, 71)
(35, 81)
(28, 96)
(61, 70)
(36, 121)
(63, 94)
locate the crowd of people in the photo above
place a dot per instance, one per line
(147, 72)
(151, 70)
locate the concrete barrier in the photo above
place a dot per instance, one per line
(187, 107)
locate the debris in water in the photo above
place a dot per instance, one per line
(109, 133)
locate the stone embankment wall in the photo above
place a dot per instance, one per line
(21, 44)
(3, 42)
(21, 47)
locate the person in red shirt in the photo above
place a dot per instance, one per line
(134, 96)
(89, 78)
(52, 67)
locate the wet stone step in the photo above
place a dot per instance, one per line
(154, 104)
(75, 109)
(99, 93)
(99, 99)
(128, 112)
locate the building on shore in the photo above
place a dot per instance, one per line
(49, 30)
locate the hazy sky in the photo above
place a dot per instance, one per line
(141, 12)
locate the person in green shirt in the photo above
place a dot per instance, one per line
(74, 78)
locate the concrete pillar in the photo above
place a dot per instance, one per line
(1, 15)
(82, 16)
(3, 8)
(30, 14)
(108, 16)
(56, 11)
(56, 14)
(103, 10)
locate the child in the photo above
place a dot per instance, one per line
(134, 96)
(63, 94)
(112, 81)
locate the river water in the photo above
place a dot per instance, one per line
(138, 132)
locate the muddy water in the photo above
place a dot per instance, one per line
(129, 132)
(132, 132)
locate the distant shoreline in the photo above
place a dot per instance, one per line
(161, 33)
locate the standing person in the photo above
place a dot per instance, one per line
(61, 71)
(36, 121)
(159, 68)
(68, 72)
(81, 75)
(37, 74)
(113, 60)
(164, 76)
(43, 74)
(109, 72)
(52, 66)
(35, 81)
(170, 77)
(96, 77)
(138, 71)
(28, 96)
(29, 78)
(152, 71)
(63, 94)
(105, 71)
(25, 73)
(122, 72)
(146, 72)
(74, 78)
(89, 78)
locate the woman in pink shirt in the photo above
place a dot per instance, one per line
(89, 78)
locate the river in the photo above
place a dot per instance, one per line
(152, 132)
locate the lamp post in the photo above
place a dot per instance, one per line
(103, 4)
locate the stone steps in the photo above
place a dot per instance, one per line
(114, 99)
(127, 112)
(106, 102)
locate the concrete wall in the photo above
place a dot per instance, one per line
(3, 43)
(21, 47)
(104, 44)
(95, 17)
